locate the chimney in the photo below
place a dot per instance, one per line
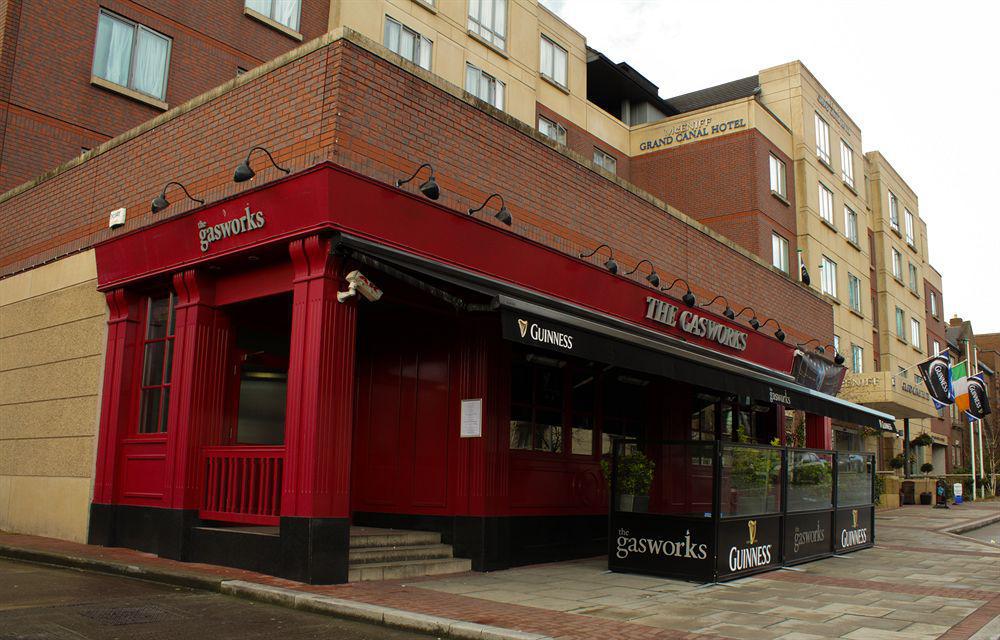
(955, 322)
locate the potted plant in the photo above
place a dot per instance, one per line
(923, 440)
(926, 467)
(897, 462)
(635, 477)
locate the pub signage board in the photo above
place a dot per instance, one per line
(661, 545)
(853, 528)
(808, 536)
(748, 545)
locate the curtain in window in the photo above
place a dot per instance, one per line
(559, 68)
(287, 13)
(425, 54)
(260, 6)
(114, 49)
(547, 58)
(150, 64)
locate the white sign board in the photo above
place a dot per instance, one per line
(958, 488)
(472, 418)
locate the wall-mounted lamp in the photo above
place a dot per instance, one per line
(429, 187)
(652, 278)
(610, 263)
(688, 297)
(160, 202)
(754, 322)
(243, 170)
(837, 358)
(503, 215)
(729, 313)
(819, 346)
(779, 334)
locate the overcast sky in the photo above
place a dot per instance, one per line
(920, 78)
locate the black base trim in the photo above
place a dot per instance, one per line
(315, 550)
(165, 532)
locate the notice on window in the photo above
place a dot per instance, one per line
(472, 418)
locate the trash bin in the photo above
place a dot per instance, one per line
(906, 492)
(925, 497)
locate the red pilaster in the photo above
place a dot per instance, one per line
(320, 407)
(197, 383)
(819, 432)
(117, 394)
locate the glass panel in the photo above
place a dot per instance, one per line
(152, 364)
(165, 408)
(472, 80)
(521, 384)
(260, 6)
(149, 411)
(548, 431)
(583, 435)
(549, 390)
(406, 44)
(854, 479)
(486, 15)
(113, 51)
(287, 13)
(584, 389)
(559, 60)
(546, 61)
(391, 35)
(703, 417)
(168, 362)
(520, 428)
(157, 317)
(500, 22)
(498, 101)
(425, 53)
(173, 314)
(262, 408)
(810, 480)
(751, 480)
(150, 73)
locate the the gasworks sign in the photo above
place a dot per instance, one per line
(249, 221)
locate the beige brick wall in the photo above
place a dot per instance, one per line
(52, 336)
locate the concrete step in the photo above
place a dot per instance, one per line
(366, 537)
(373, 555)
(407, 569)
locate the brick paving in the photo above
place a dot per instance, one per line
(921, 583)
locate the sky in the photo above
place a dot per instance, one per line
(920, 78)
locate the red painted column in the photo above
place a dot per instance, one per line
(320, 409)
(197, 385)
(819, 432)
(118, 391)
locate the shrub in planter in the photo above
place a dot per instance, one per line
(927, 467)
(635, 477)
(897, 462)
(923, 440)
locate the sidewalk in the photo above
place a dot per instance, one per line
(920, 582)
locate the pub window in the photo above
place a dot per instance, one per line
(536, 413)
(553, 62)
(488, 20)
(777, 176)
(484, 86)
(703, 422)
(407, 43)
(847, 164)
(582, 393)
(157, 359)
(552, 130)
(822, 139)
(131, 55)
(605, 160)
(624, 407)
(284, 12)
(779, 252)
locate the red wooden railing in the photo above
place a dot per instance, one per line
(242, 484)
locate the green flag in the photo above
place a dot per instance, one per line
(960, 370)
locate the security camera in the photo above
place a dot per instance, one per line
(357, 282)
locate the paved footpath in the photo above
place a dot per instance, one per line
(923, 580)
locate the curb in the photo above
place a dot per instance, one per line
(975, 524)
(289, 598)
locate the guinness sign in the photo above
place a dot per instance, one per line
(854, 528)
(748, 546)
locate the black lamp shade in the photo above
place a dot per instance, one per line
(611, 265)
(243, 172)
(689, 298)
(729, 313)
(503, 215)
(431, 190)
(780, 335)
(820, 350)
(160, 203)
(755, 323)
(653, 279)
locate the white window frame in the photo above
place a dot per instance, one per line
(779, 252)
(901, 324)
(421, 44)
(915, 332)
(836, 343)
(937, 347)
(828, 277)
(271, 14)
(605, 160)
(777, 171)
(822, 139)
(546, 127)
(847, 163)
(548, 44)
(914, 276)
(136, 28)
(934, 311)
(893, 211)
(897, 264)
(491, 28)
(851, 224)
(495, 92)
(857, 359)
(909, 226)
(825, 203)
(854, 292)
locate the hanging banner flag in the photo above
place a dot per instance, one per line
(979, 401)
(936, 372)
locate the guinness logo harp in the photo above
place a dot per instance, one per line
(752, 529)
(854, 518)
(522, 325)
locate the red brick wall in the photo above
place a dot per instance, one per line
(344, 104)
(583, 142)
(54, 108)
(724, 182)
(936, 331)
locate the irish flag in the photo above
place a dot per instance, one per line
(960, 381)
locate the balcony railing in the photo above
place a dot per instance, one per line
(242, 484)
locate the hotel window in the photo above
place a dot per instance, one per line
(854, 292)
(913, 277)
(900, 324)
(934, 310)
(777, 176)
(157, 359)
(552, 130)
(825, 203)
(847, 164)
(779, 252)
(909, 226)
(408, 43)
(915, 332)
(484, 86)
(822, 139)
(131, 55)
(893, 211)
(851, 224)
(553, 62)
(536, 412)
(897, 265)
(937, 347)
(285, 12)
(836, 343)
(857, 359)
(829, 276)
(605, 160)
(488, 20)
